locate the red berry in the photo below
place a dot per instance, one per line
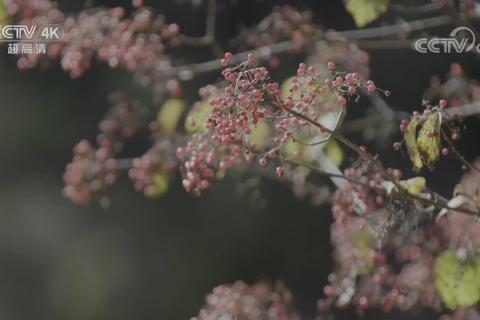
(263, 162)
(443, 103)
(280, 171)
(228, 56)
(445, 151)
(331, 65)
(328, 290)
(397, 173)
(380, 201)
(363, 148)
(455, 135)
(137, 4)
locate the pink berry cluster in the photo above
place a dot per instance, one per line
(457, 90)
(123, 120)
(364, 279)
(285, 23)
(201, 156)
(153, 169)
(262, 301)
(342, 52)
(137, 44)
(89, 174)
(250, 97)
(92, 170)
(131, 43)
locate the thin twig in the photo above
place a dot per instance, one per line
(468, 164)
(188, 72)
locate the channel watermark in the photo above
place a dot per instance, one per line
(447, 45)
(22, 38)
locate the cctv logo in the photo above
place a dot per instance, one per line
(424, 45)
(17, 33)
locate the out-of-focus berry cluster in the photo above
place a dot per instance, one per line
(261, 301)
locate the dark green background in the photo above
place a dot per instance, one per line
(145, 259)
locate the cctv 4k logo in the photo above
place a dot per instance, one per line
(447, 45)
(23, 33)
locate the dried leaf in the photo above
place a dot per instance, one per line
(411, 142)
(453, 203)
(430, 147)
(366, 11)
(388, 186)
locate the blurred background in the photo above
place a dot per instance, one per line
(156, 259)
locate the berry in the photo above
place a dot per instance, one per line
(371, 87)
(445, 151)
(443, 103)
(224, 62)
(380, 201)
(280, 171)
(296, 154)
(263, 162)
(331, 65)
(397, 173)
(137, 4)
(228, 56)
(328, 290)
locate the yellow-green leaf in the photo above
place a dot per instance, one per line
(170, 113)
(413, 186)
(334, 152)
(366, 11)
(411, 142)
(430, 147)
(199, 115)
(160, 181)
(457, 280)
(5, 18)
(260, 134)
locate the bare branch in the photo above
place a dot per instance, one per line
(414, 10)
